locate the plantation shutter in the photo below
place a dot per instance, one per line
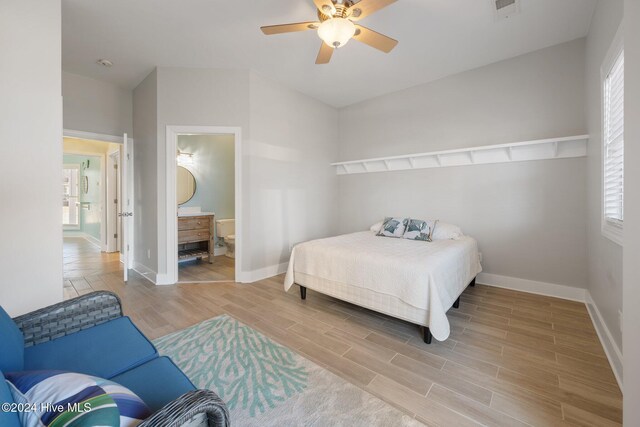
(613, 184)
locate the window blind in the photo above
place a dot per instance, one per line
(613, 183)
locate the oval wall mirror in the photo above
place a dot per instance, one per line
(186, 185)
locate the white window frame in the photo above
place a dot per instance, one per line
(78, 210)
(612, 230)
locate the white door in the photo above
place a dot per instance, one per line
(127, 207)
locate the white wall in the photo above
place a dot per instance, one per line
(631, 275)
(30, 128)
(192, 97)
(288, 141)
(292, 187)
(96, 106)
(145, 146)
(605, 256)
(528, 217)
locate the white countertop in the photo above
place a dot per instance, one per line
(188, 214)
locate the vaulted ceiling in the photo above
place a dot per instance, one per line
(437, 38)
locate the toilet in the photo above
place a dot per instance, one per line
(226, 230)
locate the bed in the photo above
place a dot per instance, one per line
(415, 281)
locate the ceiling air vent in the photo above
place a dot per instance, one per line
(506, 8)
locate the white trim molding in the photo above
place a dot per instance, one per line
(612, 230)
(609, 345)
(541, 149)
(532, 286)
(145, 272)
(80, 134)
(263, 273)
(77, 233)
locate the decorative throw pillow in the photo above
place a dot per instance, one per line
(376, 227)
(60, 399)
(393, 227)
(446, 231)
(420, 230)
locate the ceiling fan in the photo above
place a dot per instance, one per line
(336, 26)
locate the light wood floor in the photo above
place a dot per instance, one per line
(222, 269)
(512, 359)
(83, 262)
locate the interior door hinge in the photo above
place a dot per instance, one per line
(115, 236)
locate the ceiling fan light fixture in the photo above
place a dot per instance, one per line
(336, 32)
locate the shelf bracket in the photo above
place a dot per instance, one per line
(366, 166)
(412, 162)
(555, 149)
(386, 165)
(509, 153)
(438, 159)
(472, 157)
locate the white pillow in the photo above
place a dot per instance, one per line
(445, 231)
(376, 227)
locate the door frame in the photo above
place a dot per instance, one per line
(171, 223)
(78, 134)
(113, 221)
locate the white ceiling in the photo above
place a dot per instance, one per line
(437, 38)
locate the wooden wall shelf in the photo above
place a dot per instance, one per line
(542, 149)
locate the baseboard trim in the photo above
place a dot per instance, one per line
(262, 273)
(94, 241)
(85, 236)
(163, 280)
(532, 286)
(145, 272)
(611, 349)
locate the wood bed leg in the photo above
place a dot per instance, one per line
(473, 282)
(303, 292)
(426, 335)
(456, 304)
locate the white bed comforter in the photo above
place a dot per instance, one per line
(426, 275)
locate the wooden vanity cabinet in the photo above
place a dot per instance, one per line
(195, 237)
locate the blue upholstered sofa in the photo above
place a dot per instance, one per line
(90, 335)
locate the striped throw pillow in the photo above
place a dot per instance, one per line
(63, 399)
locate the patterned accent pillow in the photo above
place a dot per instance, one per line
(420, 230)
(393, 227)
(61, 399)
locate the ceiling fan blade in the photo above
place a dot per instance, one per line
(366, 7)
(289, 28)
(325, 6)
(324, 56)
(373, 39)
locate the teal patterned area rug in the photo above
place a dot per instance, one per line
(267, 384)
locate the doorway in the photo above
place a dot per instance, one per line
(92, 202)
(204, 216)
(89, 248)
